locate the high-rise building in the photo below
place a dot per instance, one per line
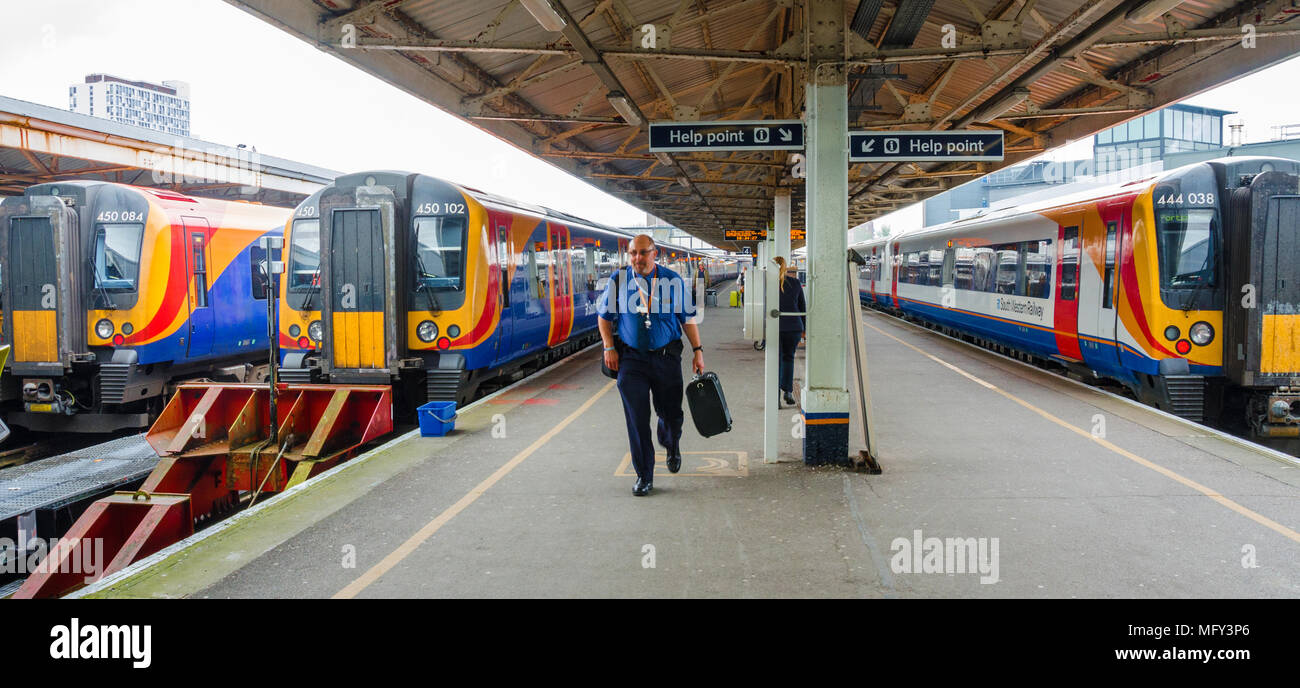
(162, 107)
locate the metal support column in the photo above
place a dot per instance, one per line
(825, 394)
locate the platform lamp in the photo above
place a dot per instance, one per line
(272, 245)
(625, 108)
(544, 13)
(1005, 103)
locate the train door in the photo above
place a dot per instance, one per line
(505, 328)
(198, 265)
(1278, 334)
(561, 284)
(1065, 312)
(33, 288)
(1098, 292)
(357, 277)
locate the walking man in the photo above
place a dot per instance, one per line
(643, 312)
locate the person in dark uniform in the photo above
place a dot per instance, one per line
(792, 327)
(646, 306)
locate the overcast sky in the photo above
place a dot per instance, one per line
(252, 83)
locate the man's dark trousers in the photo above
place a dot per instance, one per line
(641, 375)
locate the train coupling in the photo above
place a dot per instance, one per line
(1283, 415)
(41, 395)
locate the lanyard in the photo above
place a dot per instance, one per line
(647, 301)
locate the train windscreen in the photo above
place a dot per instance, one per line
(439, 252)
(117, 256)
(1187, 252)
(304, 256)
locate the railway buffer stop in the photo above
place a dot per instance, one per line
(941, 92)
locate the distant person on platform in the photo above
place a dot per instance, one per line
(643, 313)
(792, 327)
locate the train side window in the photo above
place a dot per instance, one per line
(538, 263)
(1038, 268)
(260, 269)
(503, 259)
(1069, 263)
(200, 272)
(1007, 277)
(949, 263)
(983, 269)
(1108, 287)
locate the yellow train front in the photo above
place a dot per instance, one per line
(406, 279)
(112, 293)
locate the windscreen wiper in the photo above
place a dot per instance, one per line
(311, 289)
(420, 285)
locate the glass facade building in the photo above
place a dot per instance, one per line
(1147, 139)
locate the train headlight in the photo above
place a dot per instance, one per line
(104, 328)
(427, 331)
(1201, 333)
(453, 331)
(316, 331)
(1172, 333)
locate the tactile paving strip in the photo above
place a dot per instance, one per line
(58, 480)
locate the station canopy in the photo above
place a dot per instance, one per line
(577, 81)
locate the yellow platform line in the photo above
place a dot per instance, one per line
(412, 543)
(1212, 494)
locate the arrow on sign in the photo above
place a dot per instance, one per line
(868, 145)
(786, 135)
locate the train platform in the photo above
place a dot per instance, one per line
(1000, 480)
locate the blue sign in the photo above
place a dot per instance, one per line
(683, 137)
(925, 146)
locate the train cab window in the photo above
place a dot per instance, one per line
(1038, 268)
(439, 256)
(117, 256)
(304, 256)
(200, 271)
(1108, 287)
(1187, 256)
(1069, 263)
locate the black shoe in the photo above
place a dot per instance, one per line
(789, 399)
(642, 488)
(674, 461)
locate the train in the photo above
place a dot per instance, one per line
(1180, 286)
(438, 289)
(113, 293)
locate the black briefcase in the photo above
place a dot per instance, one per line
(708, 405)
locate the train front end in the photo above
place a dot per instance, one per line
(382, 286)
(1262, 309)
(67, 248)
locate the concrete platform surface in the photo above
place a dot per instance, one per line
(999, 480)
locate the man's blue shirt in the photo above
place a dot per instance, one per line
(670, 306)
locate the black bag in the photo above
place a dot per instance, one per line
(708, 405)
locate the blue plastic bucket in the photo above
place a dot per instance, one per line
(437, 418)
